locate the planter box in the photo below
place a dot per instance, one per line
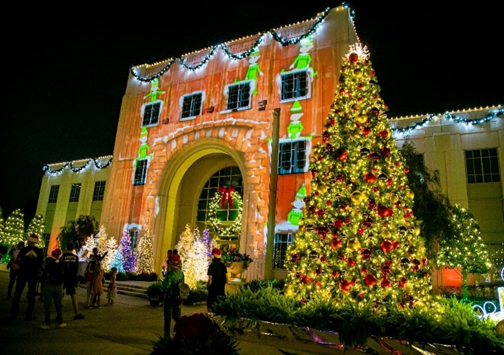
(303, 339)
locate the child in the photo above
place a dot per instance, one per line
(112, 287)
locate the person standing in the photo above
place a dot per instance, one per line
(14, 267)
(165, 262)
(30, 261)
(217, 279)
(72, 263)
(112, 287)
(172, 302)
(55, 271)
(97, 284)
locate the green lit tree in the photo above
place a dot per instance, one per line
(13, 230)
(466, 249)
(145, 254)
(359, 240)
(77, 231)
(37, 226)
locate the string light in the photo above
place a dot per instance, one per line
(71, 165)
(225, 48)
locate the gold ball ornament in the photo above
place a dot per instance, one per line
(322, 187)
(356, 197)
(409, 236)
(386, 234)
(499, 328)
(361, 118)
(394, 198)
(417, 231)
(353, 244)
(408, 287)
(419, 304)
(358, 73)
(410, 194)
(289, 291)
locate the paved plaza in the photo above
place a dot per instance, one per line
(129, 327)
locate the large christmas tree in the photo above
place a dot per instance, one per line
(466, 249)
(13, 230)
(359, 240)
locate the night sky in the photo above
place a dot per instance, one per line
(65, 69)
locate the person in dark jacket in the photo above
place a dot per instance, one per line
(217, 279)
(72, 261)
(54, 273)
(30, 261)
(171, 301)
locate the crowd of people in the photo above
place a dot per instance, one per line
(53, 277)
(57, 275)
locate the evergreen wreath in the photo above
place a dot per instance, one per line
(213, 208)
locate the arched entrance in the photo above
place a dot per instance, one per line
(184, 177)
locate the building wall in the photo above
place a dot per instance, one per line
(443, 143)
(242, 137)
(57, 214)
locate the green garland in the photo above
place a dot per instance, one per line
(233, 229)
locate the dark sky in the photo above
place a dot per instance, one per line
(65, 69)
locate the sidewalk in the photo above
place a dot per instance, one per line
(129, 327)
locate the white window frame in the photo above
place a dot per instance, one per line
(307, 150)
(190, 97)
(279, 261)
(151, 122)
(251, 84)
(75, 191)
(144, 173)
(294, 72)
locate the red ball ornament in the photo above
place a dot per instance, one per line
(340, 178)
(329, 203)
(387, 246)
(333, 121)
(384, 133)
(385, 152)
(365, 254)
(347, 220)
(353, 57)
(370, 280)
(336, 243)
(395, 243)
(318, 271)
(371, 73)
(376, 189)
(364, 270)
(375, 111)
(341, 154)
(385, 283)
(335, 274)
(338, 224)
(402, 282)
(341, 257)
(342, 91)
(371, 204)
(321, 213)
(366, 131)
(369, 178)
(345, 285)
(351, 262)
(406, 170)
(384, 211)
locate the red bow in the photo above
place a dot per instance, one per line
(226, 194)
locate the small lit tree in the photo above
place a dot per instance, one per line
(127, 253)
(117, 260)
(145, 254)
(200, 257)
(466, 250)
(185, 248)
(102, 239)
(13, 230)
(37, 226)
(111, 247)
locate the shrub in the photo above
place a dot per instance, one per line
(198, 294)
(155, 290)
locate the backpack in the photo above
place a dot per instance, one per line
(184, 291)
(55, 272)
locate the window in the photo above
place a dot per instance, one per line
(294, 85)
(99, 190)
(191, 105)
(75, 192)
(282, 241)
(133, 233)
(482, 165)
(226, 177)
(151, 114)
(292, 157)
(141, 172)
(238, 96)
(53, 194)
